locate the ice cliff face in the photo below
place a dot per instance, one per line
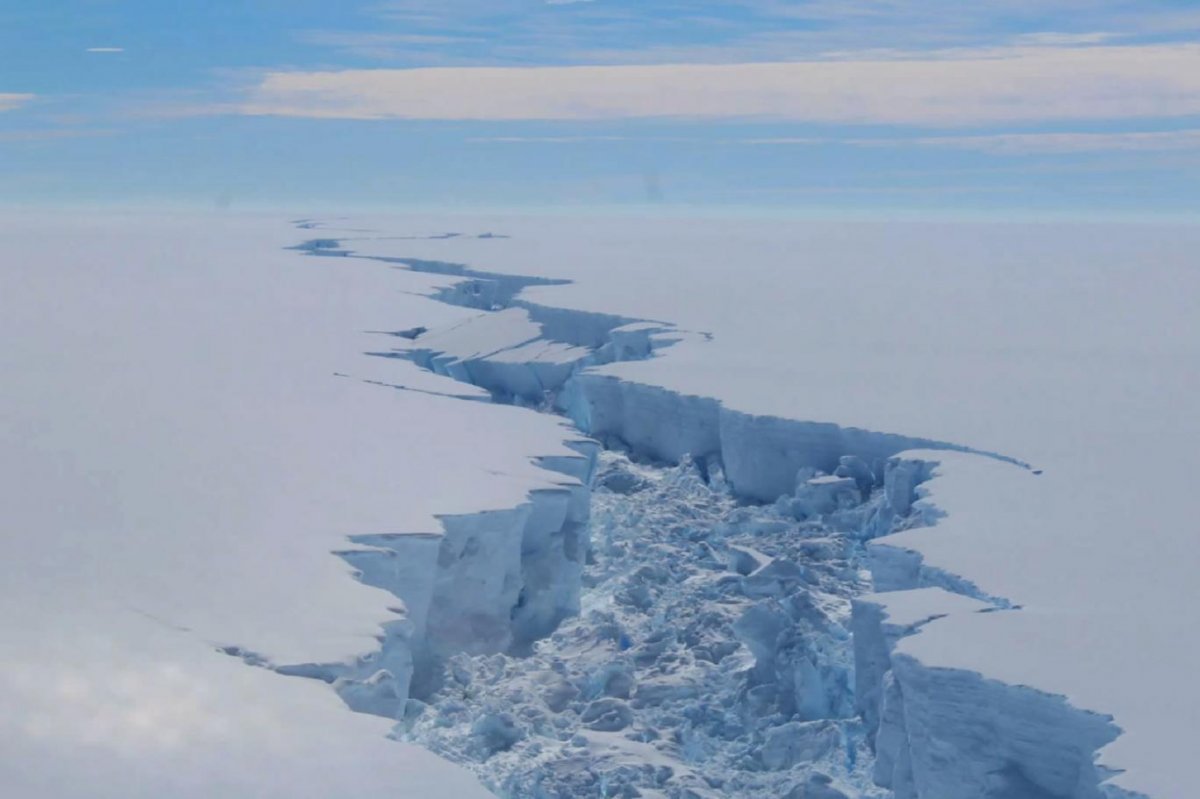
(943, 733)
(659, 637)
(493, 581)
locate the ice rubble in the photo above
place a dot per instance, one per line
(711, 656)
(577, 712)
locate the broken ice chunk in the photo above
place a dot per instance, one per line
(745, 560)
(607, 715)
(821, 495)
(817, 786)
(798, 742)
(856, 469)
(780, 577)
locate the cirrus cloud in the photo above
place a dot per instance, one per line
(10, 101)
(1049, 143)
(1071, 142)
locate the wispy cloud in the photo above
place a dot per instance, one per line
(1065, 143)
(10, 101)
(381, 46)
(1050, 143)
(1052, 39)
(577, 139)
(105, 50)
(519, 32)
(1056, 143)
(52, 134)
(1012, 85)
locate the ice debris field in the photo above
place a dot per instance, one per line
(600, 507)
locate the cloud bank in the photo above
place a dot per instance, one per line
(1014, 85)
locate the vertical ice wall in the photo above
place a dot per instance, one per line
(941, 733)
(491, 582)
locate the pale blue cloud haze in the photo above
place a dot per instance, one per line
(861, 106)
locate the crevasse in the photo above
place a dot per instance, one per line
(742, 653)
(710, 656)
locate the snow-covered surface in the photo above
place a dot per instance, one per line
(178, 443)
(102, 701)
(920, 605)
(180, 457)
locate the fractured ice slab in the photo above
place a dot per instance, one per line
(491, 581)
(590, 329)
(879, 622)
(637, 340)
(943, 732)
(761, 455)
(680, 676)
(970, 736)
(820, 495)
(660, 423)
(478, 580)
(540, 355)
(503, 352)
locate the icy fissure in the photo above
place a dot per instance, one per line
(711, 655)
(471, 288)
(640, 630)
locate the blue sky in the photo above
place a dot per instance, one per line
(1057, 107)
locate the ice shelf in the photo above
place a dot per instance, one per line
(560, 660)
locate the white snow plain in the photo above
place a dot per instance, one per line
(180, 457)
(183, 448)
